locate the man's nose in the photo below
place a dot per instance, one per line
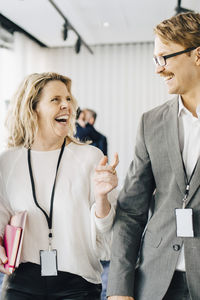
(159, 69)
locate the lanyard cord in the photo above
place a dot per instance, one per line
(188, 182)
(50, 217)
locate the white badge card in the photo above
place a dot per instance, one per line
(184, 222)
(48, 262)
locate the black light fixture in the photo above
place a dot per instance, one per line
(78, 45)
(65, 31)
(67, 25)
(179, 9)
(11, 27)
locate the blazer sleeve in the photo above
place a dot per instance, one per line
(131, 218)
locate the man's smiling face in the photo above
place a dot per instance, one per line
(179, 72)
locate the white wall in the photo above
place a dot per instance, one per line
(6, 80)
(118, 82)
(25, 57)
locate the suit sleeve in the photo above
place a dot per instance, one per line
(131, 218)
(102, 144)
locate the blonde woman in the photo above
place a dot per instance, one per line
(65, 188)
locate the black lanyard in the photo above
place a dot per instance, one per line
(50, 217)
(187, 182)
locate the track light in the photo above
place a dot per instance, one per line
(65, 31)
(179, 9)
(78, 45)
(68, 26)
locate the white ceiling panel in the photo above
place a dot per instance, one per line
(129, 20)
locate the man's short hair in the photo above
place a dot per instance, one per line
(183, 29)
(91, 112)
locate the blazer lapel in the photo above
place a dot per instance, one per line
(195, 182)
(171, 132)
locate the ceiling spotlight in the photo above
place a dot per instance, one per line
(78, 45)
(65, 31)
(106, 24)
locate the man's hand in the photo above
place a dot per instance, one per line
(120, 298)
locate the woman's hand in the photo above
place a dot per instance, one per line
(105, 177)
(105, 180)
(3, 258)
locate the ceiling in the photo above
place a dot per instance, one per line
(129, 21)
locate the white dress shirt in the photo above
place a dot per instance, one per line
(189, 139)
(81, 239)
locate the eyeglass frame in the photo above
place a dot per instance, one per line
(165, 57)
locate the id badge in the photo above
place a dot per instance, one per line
(184, 222)
(48, 262)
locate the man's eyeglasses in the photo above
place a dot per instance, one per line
(161, 60)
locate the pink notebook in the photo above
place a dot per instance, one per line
(13, 239)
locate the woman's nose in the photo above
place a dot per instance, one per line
(64, 104)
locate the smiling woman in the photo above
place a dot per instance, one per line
(55, 111)
(66, 187)
(47, 90)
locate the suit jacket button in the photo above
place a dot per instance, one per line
(176, 247)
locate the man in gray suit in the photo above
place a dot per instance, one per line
(158, 257)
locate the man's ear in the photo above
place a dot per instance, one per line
(198, 56)
(91, 121)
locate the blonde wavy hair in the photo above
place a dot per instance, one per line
(22, 121)
(183, 29)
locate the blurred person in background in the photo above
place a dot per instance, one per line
(67, 189)
(85, 130)
(101, 142)
(82, 133)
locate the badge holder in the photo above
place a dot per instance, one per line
(184, 216)
(184, 222)
(48, 261)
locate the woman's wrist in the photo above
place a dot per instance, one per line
(102, 206)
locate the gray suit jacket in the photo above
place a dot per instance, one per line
(145, 251)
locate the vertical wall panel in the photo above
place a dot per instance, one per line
(6, 81)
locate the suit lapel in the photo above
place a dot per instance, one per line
(171, 132)
(195, 182)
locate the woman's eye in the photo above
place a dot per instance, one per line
(54, 99)
(69, 99)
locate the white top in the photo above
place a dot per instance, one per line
(81, 239)
(189, 133)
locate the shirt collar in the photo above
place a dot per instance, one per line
(183, 110)
(181, 107)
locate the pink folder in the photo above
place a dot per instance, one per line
(13, 239)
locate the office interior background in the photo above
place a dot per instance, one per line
(118, 80)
